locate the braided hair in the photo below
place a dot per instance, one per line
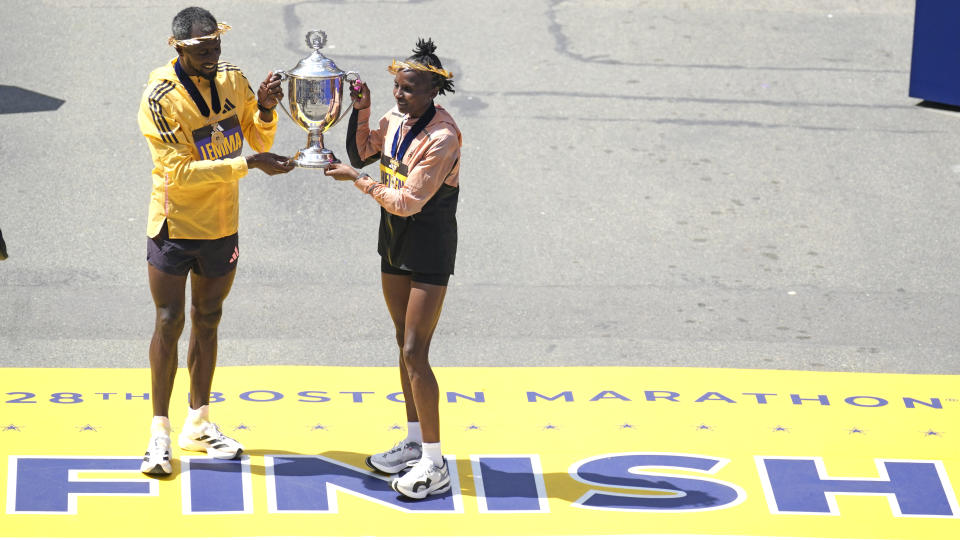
(423, 54)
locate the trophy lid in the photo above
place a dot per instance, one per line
(316, 66)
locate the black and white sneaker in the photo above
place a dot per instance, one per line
(209, 439)
(423, 479)
(157, 459)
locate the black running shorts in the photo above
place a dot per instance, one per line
(419, 277)
(207, 258)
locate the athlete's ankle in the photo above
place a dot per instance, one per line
(160, 426)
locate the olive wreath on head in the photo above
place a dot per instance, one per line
(423, 53)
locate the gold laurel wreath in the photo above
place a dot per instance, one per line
(221, 28)
(397, 66)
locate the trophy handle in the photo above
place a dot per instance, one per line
(284, 76)
(350, 82)
(346, 77)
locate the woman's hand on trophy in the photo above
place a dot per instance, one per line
(360, 94)
(341, 171)
(270, 92)
(270, 163)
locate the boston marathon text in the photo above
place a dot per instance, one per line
(530, 396)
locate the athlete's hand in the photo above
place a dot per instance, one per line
(341, 171)
(270, 163)
(360, 94)
(270, 93)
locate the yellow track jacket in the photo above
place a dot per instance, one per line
(196, 159)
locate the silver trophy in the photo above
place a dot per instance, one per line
(315, 93)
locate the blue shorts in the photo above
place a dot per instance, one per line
(207, 258)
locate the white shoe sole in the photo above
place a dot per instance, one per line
(156, 470)
(423, 493)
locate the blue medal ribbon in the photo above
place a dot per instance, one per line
(399, 152)
(195, 92)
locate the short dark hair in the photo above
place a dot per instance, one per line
(184, 22)
(423, 53)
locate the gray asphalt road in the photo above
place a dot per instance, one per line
(708, 183)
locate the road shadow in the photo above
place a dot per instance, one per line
(938, 106)
(660, 492)
(14, 99)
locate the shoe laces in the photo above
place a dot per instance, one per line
(160, 443)
(213, 431)
(401, 444)
(420, 467)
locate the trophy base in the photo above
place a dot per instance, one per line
(312, 158)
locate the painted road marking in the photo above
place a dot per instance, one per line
(672, 453)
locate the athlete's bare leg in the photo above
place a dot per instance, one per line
(396, 292)
(207, 296)
(206, 299)
(415, 309)
(168, 298)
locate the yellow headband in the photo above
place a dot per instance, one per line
(397, 66)
(221, 28)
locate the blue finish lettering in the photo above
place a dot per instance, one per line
(509, 484)
(671, 493)
(52, 485)
(801, 486)
(217, 486)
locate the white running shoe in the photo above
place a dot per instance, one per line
(209, 439)
(423, 479)
(397, 458)
(157, 459)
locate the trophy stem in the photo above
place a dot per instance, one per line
(314, 155)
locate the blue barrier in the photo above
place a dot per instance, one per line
(935, 67)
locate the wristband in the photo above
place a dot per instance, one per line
(262, 108)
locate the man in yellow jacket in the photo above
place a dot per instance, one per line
(195, 113)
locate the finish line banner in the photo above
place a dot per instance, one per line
(541, 452)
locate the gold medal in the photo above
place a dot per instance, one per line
(216, 135)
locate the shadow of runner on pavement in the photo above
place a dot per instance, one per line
(14, 99)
